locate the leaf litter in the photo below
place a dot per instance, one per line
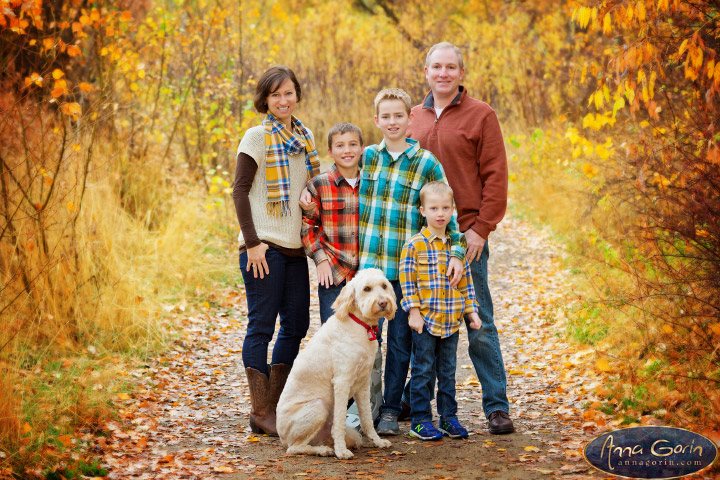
(188, 417)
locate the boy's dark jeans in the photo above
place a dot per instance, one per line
(326, 297)
(284, 291)
(431, 354)
(397, 359)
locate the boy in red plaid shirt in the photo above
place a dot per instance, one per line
(329, 230)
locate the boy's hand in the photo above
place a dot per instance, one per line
(324, 274)
(455, 271)
(475, 322)
(415, 320)
(306, 200)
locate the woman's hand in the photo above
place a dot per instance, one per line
(256, 260)
(324, 274)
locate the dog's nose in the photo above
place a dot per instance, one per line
(382, 304)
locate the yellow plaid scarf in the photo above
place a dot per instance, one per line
(279, 143)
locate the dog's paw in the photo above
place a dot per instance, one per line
(325, 451)
(380, 443)
(343, 454)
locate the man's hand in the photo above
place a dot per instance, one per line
(324, 274)
(455, 271)
(306, 200)
(256, 260)
(475, 322)
(415, 320)
(475, 245)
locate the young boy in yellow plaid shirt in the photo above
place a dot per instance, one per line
(436, 311)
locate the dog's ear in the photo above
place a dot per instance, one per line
(393, 305)
(345, 302)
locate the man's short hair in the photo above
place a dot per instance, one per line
(344, 127)
(393, 94)
(271, 81)
(440, 46)
(435, 188)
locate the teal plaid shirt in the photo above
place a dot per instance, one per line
(389, 205)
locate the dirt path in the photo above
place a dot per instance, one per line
(189, 419)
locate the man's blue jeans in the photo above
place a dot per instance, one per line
(284, 291)
(326, 297)
(397, 359)
(432, 356)
(484, 348)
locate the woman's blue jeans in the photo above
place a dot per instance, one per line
(285, 291)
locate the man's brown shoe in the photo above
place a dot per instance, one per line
(500, 423)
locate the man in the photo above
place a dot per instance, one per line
(464, 134)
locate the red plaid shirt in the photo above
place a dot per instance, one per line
(330, 231)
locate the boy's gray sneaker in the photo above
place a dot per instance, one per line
(388, 424)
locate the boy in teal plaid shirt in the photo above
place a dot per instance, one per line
(393, 173)
(436, 310)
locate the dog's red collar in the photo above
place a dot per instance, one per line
(372, 332)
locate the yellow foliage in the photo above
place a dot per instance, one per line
(607, 23)
(603, 365)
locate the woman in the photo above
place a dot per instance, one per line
(274, 162)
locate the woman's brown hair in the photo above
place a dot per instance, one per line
(271, 81)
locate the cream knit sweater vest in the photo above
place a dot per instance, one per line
(282, 231)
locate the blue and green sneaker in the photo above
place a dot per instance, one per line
(452, 428)
(425, 431)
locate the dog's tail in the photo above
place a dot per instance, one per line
(353, 439)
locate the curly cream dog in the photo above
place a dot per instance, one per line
(335, 366)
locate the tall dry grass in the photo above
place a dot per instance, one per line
(100, 297)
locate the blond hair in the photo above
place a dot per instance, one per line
(435, 188)
(393, 94)
(442, 46)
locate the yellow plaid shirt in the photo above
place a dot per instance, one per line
(425, 285)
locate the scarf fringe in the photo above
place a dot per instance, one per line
(279, 209)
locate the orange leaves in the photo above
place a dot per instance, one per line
(72, 109)
(34, 79)
(65, 440)
(59, 88)
(223, 469)
(73, 50)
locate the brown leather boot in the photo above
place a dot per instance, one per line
(262, 412)
(278, 376)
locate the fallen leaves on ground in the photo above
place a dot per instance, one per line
(188, 418)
